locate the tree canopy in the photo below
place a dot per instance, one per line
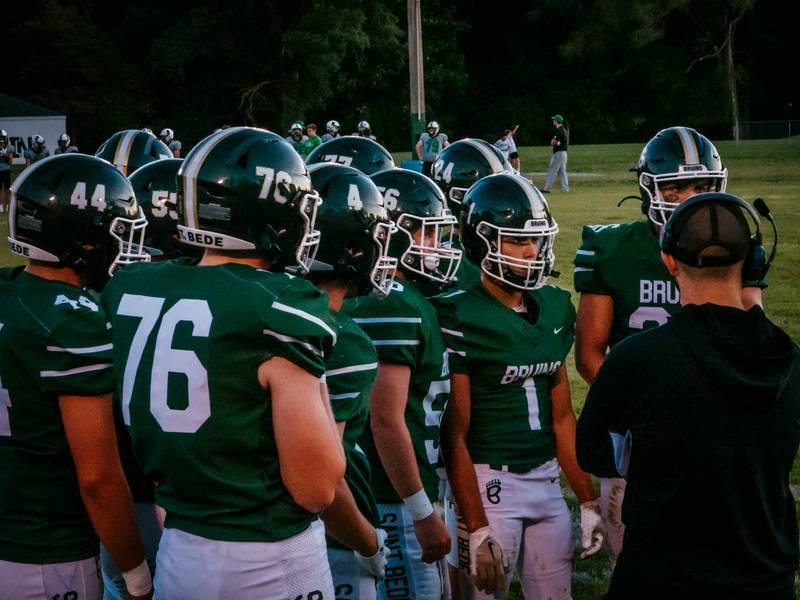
(617, 71)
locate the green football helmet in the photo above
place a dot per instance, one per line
(417, 206)
(128, 150)
(156, 187)
(355, 230)
(507, 208)
(364, 154)
(77, 211)
(676, 154)
(246, 189)
(464, 162)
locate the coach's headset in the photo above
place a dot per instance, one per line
(756, 263)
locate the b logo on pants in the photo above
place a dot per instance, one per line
(493, 491)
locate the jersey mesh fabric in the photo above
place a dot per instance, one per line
(215, 460)
(351, 369)
(53, 342)
(510, 362)
(404, 330)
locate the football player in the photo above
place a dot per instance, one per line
(352, 260)
(509, 428)
(36, 152)
(64, 146)
(75, 219)
(155, 186)
(402, 438)
(623, 284)
(219, 365)
(168, 137)
(365, 131)
(457, 167)
(6, 160)
(297, 138)
(130, 149)
(331, 130)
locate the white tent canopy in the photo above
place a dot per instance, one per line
(23, 120)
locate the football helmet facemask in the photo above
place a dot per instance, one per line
(77, 211)
(247, 189)
(130, 149)
(433, 128)
(355, 229)
(676, 154)
(507, 208)
(364, 154)
(461, 164)
(423, 243)
(332, 127)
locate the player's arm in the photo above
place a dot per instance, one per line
(396, 451)
(592, 332)
(592, 529)
(564, 424)
(460, 469)
(752, 296)
(89, 428)
(311, 465)
(418, 148)
(345, 522)
(594, 446)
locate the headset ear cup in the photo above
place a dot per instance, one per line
(755, 263)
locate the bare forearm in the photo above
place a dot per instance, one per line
(110, 508)
(588, 361)
(396, 451)
(345, 522)
(464, 483)
(579, 480)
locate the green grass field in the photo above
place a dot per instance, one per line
(769, 169)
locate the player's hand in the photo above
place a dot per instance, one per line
(592, 529)
(433, 537)
(376, 563)
(487, 563)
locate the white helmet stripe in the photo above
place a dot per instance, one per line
(689, 147)
(192, 169)
(490, 156)
(12, 207)
(529, 192)
(123, 151)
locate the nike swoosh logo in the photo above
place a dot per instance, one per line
(555, 331)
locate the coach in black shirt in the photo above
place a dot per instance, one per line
(702, 416)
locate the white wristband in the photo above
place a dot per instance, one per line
(138, 580)
(418, 505)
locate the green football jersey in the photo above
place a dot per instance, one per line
(510, 360)
(189, 341)
(624, 262)
(54, 341)
(351, 369)
(404, 331)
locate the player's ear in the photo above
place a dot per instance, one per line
(670, 263)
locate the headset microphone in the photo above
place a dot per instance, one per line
(763, 210)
